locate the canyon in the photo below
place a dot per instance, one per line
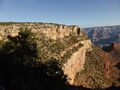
(33, 44)
(104, 35)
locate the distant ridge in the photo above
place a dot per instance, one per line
(104, 35)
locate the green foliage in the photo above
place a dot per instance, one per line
(71, 39)
(20, 69)
(24, 29)
(69, 53)
(93, 71)
(5, 23)
(35, 59)
(47, 47)
(1, 43)
(10, 23)
(57, 47)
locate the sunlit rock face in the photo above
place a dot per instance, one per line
(53, 31)
(76, 63)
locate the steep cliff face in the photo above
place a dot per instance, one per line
(65, 44)
(115, 53)
(97, 71)
(53, 31)
(76, 63)
(104, 35)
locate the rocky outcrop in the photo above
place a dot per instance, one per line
(53, 31)
(96, 72)
(69, 46)
(76, 63)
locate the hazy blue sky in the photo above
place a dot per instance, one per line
(84, 13)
